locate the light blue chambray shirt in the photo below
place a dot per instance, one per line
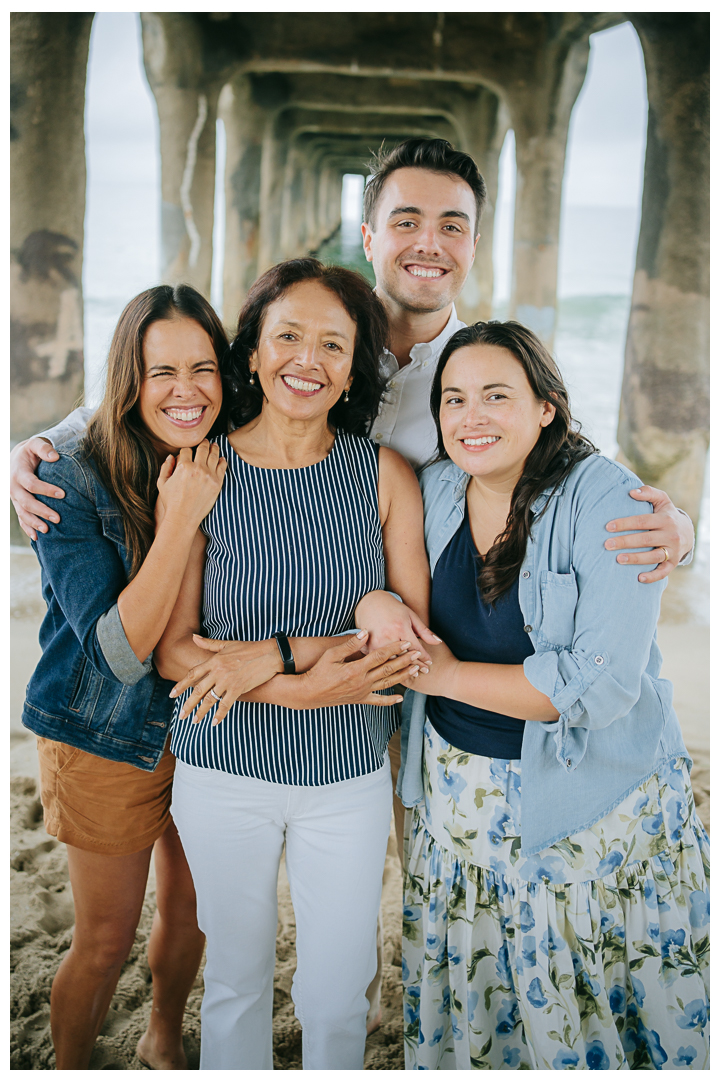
(593, 627)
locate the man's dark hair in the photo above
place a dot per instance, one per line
(355, 416)
(435, 155)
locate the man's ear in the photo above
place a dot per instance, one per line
(367, 240)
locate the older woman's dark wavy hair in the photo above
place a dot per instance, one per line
(558, 449)
(362, 305)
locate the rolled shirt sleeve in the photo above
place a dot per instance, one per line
(116, 649)
(75, 423)
(596, 678)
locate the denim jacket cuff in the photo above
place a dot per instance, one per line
(115, 647)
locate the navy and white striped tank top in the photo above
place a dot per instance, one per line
(291, 550)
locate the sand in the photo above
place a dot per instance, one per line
(41, 899)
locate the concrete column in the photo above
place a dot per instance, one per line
(48, 57)
(245, 120)
(186, 100)
(664, 412)
(485, 124)
(540, 115)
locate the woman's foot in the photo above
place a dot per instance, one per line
(156, 1056)
(373, 1023)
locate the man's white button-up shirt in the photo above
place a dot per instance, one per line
(404, 421)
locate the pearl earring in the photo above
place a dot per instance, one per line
(252, 377)
(347, 394)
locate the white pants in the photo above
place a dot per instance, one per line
(233, 829)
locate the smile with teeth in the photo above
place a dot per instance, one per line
(185, 416)
(486, 440)
(426, 272)
(302, 385)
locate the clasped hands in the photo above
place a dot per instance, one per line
(351, 672)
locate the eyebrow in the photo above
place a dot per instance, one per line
(172, 367)
(298, 326)
(487, 386)
(417, 210)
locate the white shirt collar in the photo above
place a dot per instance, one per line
(427, 350)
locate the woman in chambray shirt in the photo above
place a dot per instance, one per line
(556, 906)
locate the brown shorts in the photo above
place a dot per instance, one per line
(100, 805)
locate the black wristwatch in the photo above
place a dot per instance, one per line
(286, 654)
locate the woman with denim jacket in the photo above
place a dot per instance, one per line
(556, 899)
(111, 570)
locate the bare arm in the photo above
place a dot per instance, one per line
(406, 566)
(190, 488)
(401, 513)
(500, 688)
(331, 670)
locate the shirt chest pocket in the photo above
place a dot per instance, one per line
(559, 599)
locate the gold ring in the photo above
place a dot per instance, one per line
(667, 553)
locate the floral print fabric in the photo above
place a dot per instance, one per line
(591, 954)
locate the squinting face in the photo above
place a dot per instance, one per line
(304, 356)
(422, 243)
(181, 394)
(489, 415)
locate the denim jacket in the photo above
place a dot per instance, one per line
(593, 628)
(89, 689)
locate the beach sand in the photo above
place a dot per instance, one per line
(41, 900)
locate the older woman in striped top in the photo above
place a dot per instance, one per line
(280, 743)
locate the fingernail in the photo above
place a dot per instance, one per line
(415, 655)
(173, 692)
(642, 577)
(622, 558)
(362, 633)
(611, 527)
(610, 545)
(414, 670)
(425, 670)
(404, 645)
(636, 491)
(439, 640)
(58, 494)
(43, 528)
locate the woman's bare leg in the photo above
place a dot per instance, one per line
(174, 954)
(108, 892)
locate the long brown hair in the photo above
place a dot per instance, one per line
(559, 447)
(116, 439)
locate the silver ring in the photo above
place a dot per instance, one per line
(215, 695)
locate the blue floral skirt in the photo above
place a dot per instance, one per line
(591, 954)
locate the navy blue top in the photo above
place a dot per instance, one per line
(475, 631)
(292, 550)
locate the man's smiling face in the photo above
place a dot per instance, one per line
(422, 242)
